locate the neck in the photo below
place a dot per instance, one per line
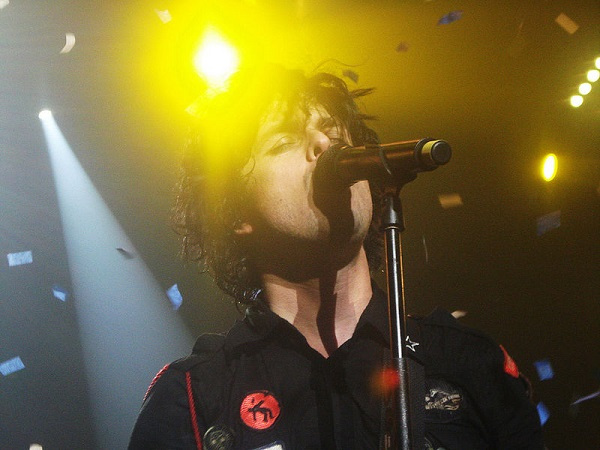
(324, 308)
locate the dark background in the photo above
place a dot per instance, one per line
(495, 84)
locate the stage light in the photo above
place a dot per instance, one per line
(216, 59)
(597, 62)
(585, 88)
(549, 167)
(576, 101)
(45, 114)
(593, 75)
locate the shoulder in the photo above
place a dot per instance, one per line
(447, 342)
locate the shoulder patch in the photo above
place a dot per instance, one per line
(510, 367)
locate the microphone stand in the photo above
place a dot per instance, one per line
(392, 224)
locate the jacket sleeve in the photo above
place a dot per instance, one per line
(165, 421)
(515, 421)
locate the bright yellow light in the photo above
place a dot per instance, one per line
(549, 167)
(216, 60)
(597, 62)
(593, 75)
(576, 101)
(585, 88)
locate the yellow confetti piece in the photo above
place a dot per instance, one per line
(450, 200)
(566, 23)
(459, 313)
(69, 44)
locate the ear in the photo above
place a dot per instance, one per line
(243, 229)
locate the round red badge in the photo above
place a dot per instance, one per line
(260, 410)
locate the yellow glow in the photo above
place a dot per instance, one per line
(549, 167)
(576, 101)
(597, 62)
(585, 88)
(593, 75)
(216, 60)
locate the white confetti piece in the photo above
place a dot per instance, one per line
(450, 200)
(566, 23)
(459, 313)
(35, 447)
(175, 296)
(164, 16)
(60, 293)
(12, 365)
(3, 3)
(586, 398)
(425, 248)
(18, 259)
(69, 44)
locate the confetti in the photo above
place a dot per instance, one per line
(544, 369)
(11, 366)
(548, 222)
(543, 413)
(586, 398)
(4, 3)
(164, 16)
(566, 23)
(452, 16)
(125, 253)
(60, 293)
(70, 43)
(18, 259)
(458, 314)
(175, 296)
(425, 248)
(35, 447)
(450, 200)
(402, 47)
(351, 74)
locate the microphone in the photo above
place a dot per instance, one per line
(344, 165)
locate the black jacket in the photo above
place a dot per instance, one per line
(262, 387)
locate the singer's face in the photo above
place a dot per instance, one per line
(284, 206)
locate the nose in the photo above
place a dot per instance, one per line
(318, 142)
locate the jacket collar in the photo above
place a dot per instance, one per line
(260, 322)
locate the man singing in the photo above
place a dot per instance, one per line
(303, 369)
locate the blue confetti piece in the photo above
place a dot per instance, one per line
(543, 413)
(11, 366)
(18, 259)
(548, 222)
(175, 296)
(452, 16)
(60, 293)
(544, 369)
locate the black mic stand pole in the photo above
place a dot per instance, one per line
(392, 223)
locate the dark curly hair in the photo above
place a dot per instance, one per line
(210, 194)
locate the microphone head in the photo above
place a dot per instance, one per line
(435, 153)
(326, 175)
